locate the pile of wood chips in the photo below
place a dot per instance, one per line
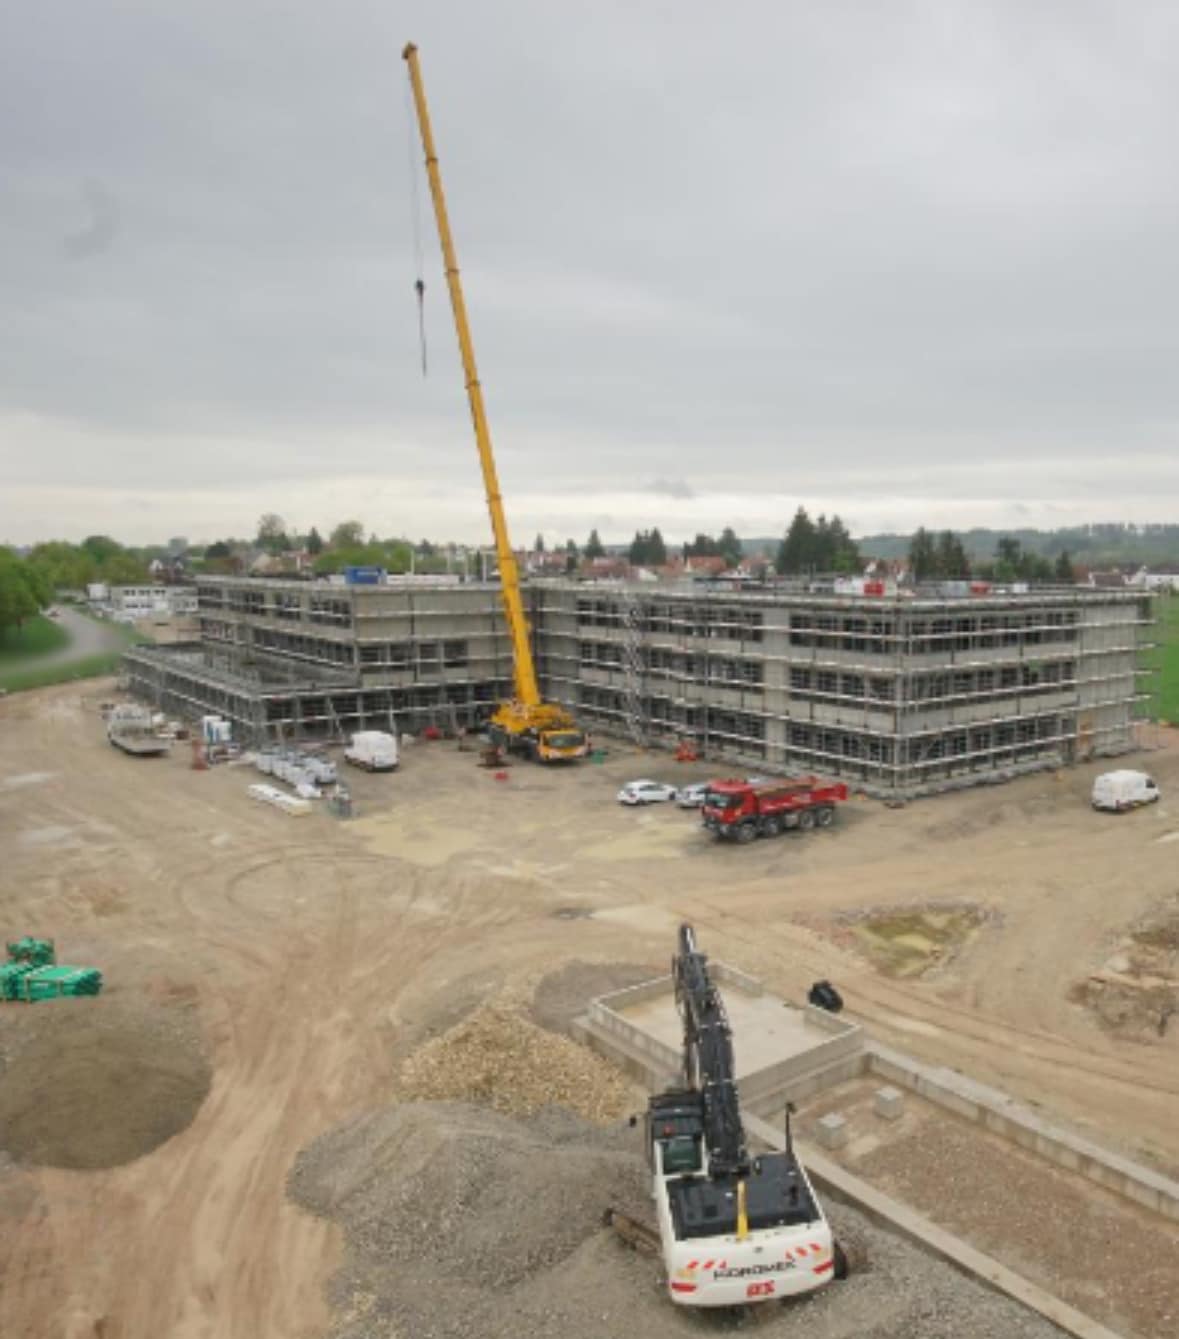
(496, 1057)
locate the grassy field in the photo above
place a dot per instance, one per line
(36, 637)
(1167, 612)
(14, 679)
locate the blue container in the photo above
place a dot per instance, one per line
(364, 576)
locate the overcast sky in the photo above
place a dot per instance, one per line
(911, 262)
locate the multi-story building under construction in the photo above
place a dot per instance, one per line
(898, 694)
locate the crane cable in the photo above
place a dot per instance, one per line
(415, 211)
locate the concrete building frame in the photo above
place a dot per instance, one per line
(899, 695)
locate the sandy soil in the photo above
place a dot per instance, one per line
(314, 954)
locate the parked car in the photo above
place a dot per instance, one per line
(645, 792)
(692, 797)
(1123, 789)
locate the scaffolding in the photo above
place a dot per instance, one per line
(898, 695)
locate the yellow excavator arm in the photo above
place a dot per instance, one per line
(545, 729)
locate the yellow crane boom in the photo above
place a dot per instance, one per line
(527, 692)
(545, 729)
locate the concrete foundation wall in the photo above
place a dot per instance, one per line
(998, 1113)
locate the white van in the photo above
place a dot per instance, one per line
(1123, 790)
(373, 750)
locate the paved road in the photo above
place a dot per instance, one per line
(88, 637)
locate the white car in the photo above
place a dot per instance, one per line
(692, 797)
(645, 792)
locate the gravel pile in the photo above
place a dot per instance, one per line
(461, 1223)
(499, 1059)
(444, 1200)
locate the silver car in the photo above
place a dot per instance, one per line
(692, 797)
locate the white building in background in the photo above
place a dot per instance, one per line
(1164, 578)
(130, 604)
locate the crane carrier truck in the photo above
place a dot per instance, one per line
(735, 1228)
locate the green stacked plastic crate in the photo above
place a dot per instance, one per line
(11, 976)
(33, 973)
(46, 983)
(37, 952)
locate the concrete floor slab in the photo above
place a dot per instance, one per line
(765, 1029)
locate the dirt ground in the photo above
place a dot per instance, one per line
(314, 955)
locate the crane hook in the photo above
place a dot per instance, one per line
(420, 289)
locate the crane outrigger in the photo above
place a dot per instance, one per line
(525, 724)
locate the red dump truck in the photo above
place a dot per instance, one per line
(741, 810)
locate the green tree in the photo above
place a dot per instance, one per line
(730, 547)
(272, 533)
(922, 556)
(314, 542)
(1008, 558)
(593, 546)
(703, 546)
(796, 553)
(1063, 571)
(65, 566)
(538, 547)
(101, 547)
(219, 549)
(950, 559)
(17, 601)
(572, 557)
(123, 569)
(648, 549)
(346, 535)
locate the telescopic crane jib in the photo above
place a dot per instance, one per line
(543, 730)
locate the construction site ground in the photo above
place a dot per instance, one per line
(1052, 1226)
(272, 980)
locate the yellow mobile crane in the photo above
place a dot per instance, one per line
(542, 730)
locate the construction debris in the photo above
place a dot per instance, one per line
(289, 804)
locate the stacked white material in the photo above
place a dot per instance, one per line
(289, 804)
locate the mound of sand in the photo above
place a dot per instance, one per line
(92, 1083)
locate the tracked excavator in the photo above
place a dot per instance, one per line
(735, 1228)
(544, 731)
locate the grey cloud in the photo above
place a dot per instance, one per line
(673, 488)
(101, 226)
(818, 245)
